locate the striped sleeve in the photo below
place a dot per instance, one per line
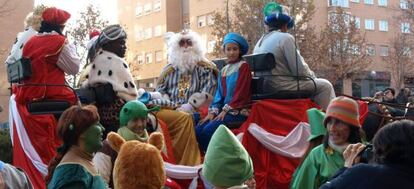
(162, 82)
(208, 81)
(69, 61)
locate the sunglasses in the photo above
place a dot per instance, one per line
(185, 41)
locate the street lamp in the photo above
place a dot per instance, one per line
(373, 75)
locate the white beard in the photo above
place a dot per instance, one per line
(185, 60)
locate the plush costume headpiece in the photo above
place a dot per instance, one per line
(275, 13)
(138, 165)
(344, 109)
(55, 16)
(237, 39)
(226, 163)
(134, 109)
(315, 119)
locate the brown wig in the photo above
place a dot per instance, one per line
(73, 122)
(393, 144)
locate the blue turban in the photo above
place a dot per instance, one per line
(273, 19)
(237, 39)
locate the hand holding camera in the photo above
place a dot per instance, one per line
(352, 154)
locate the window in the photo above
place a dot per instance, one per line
(140, 59)
(339, 3)
(138, 11)
(210, 46)
(157, 5)
(406, 51)
(369, 2)
(210, 19)
(383, 3)
(148, 33)
(383, 25)
(147, 8)
(405, 27)
(383, 50)
(148, 58)
(157, 31)
(371, 50)
(369, 24)
(354, 49)
(403, 4)
(201, 21)
(355, 1)
(357, 22)
(158, 56)
(334, 18)
(139, 35)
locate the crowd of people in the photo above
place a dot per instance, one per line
(81, 148)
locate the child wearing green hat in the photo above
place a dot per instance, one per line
(233, 91)
(133, 121)
(227, 164)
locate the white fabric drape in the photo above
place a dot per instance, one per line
(293, 145)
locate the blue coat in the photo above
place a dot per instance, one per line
(367, 176)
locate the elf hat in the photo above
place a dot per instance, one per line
(315, 119)
(226, 163)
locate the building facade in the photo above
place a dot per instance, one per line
(375, 18)
(146, 22)
(12, 14)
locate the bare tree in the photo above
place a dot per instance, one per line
(79, 34)
(399, 60)
(340, 48)
(246, 18)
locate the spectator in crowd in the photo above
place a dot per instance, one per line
(343, 128)
(393, 161)
(387, 95)
(403, 95)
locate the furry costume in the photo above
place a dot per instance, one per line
(195, 102)
(138, 165)
(107, 67)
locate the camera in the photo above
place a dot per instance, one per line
(366, 154)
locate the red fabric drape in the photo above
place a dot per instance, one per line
(363, 111)
(277, 117)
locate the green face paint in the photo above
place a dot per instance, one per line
(92, 138)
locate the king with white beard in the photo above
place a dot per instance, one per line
(187, 72)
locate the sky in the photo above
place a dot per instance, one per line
(108, 8)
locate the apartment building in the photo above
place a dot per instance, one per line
(146, 22)
(12, 23)
(377, 19)
(201, 19)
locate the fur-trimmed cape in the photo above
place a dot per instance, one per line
(107, 67)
